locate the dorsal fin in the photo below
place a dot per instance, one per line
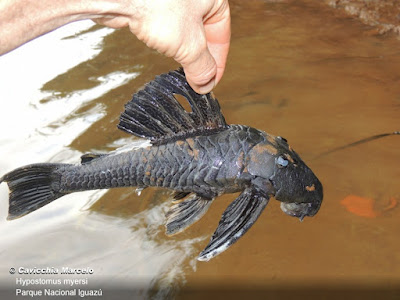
(154, 112)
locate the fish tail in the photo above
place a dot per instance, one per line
(32, 187)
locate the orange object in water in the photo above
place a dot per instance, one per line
(365, 207)
(360, 206)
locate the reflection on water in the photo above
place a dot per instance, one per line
(128, 248)
(297, 69)
(122, 249)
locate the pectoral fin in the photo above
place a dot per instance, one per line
(236, 220)
(185, 213)
(180, 195)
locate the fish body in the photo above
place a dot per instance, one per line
(196, 154)
(206, 165)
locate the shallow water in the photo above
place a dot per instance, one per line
(297, 69)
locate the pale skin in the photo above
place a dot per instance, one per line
(196, 33)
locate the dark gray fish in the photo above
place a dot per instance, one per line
(196, 154)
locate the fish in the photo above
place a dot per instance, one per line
(192, 152)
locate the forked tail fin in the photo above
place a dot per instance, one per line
(32, 187)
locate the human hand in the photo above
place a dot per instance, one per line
(195, 33)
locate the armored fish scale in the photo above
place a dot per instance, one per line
(194, 153)
(208, 166)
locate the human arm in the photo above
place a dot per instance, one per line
(196, 33)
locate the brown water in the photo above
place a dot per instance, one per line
(297, 69)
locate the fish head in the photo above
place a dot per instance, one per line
(291, 181)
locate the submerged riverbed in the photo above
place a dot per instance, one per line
(299, 69)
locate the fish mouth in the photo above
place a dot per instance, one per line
(300, 210)
(293, 209)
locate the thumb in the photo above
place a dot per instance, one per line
(201, 72)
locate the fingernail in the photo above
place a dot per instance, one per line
(207, 87)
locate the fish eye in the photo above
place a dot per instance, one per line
(282, 139)
(282, 162)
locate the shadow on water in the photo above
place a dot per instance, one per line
(297, 69)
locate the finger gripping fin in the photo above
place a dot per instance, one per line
(236, 220)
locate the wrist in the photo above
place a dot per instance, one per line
(22, 20)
